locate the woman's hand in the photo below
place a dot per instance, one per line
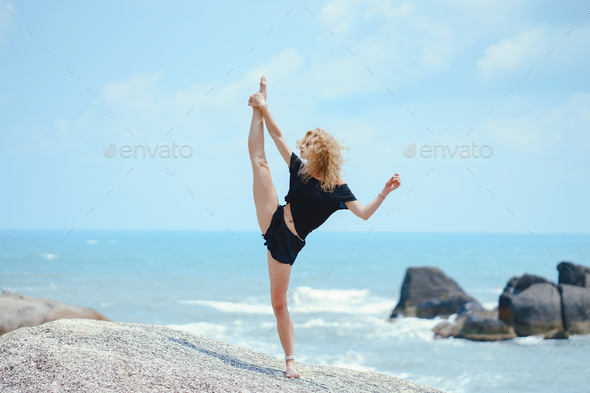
(393, 183)
(257, 100)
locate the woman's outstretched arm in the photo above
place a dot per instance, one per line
(365, 212)
(257, 100)
(276, 135)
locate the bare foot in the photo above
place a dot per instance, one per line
(291, 369)
(263, 86)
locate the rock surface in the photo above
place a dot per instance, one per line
(476, 325)
(515, 286)
(479, 328)
(535, 306)
(572, 274)
(537, 311)
(576, 309)
(427, 292)
(505, 300)
(82, 355)
(529, 305)
(18, 311)
(444, 307)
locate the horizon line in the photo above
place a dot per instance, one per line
(321, 231)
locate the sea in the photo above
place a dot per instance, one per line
(342, 290)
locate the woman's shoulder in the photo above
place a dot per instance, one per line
(295, 163)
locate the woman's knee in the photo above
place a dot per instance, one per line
(259, 160)
(279, 301)
(279, 305)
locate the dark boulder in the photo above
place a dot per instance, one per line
(444, 307)
(424, 284)
(480, 328)
(470, 307)
(537, 310)
(514, 286)
(576, 309)
(474, 325)
(526, 281)
(572, 274)
(505, 300)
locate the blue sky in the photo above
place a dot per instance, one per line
(378, 75)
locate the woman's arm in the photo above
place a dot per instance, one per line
(365, 212)
(257, 101)
(276, 134)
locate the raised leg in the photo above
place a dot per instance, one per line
(265, 194)
(279, 274)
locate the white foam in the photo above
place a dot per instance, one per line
(349, 301)
(245, 308)
(233, 334)
(92, 242)
(310, 301)
(405, 328)
(351, 364)
(460, 384)
(208, 329)
(311, 323)
(490, 305)
(49, 256)
(529, 340)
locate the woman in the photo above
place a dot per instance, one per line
(316, 191)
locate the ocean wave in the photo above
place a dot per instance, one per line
(529, 340)
(208, 329)
(312, 300)
(490, 305)
(342, 301)
(352, 363)
(231, 307)
(404, 328)
(235, 334)
(459, 384)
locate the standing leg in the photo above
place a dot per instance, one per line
(279, 274)
(265, 194)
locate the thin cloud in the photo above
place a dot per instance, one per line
(514, 53)
(541, 131)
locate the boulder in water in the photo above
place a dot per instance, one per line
(427, 292)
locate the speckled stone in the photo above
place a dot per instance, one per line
(83, 355)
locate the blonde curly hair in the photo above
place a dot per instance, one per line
(323, 158)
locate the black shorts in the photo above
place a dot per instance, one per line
(280, 241)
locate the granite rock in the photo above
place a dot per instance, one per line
(83, 355)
